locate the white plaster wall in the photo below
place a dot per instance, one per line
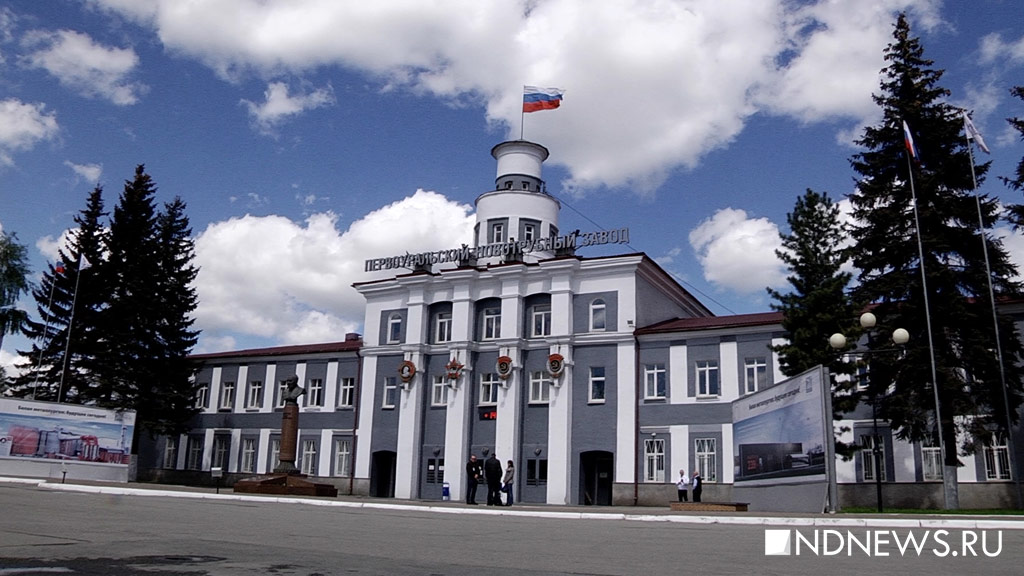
(625, 424)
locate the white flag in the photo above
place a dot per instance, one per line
(84, 263)
(973, 134)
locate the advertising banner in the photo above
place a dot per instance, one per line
(45, 431)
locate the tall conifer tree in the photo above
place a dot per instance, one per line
(955, 301)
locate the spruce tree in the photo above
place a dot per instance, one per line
(1017, 182)
(13, 282)
(950, 294)
(817, 304)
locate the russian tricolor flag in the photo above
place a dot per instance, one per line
(908, 140)
(535, 98)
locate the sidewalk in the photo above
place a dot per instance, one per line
(622, 513)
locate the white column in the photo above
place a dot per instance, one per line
(729, 372)
(367, 402)
(300, 373)
(728, 471)
(678, 376)
(331, 385)
(560, 433)
(625, 424)
(214, 392)
(457, 420)
(776, 375)
(234, 449)
(410, 428)
(507, 429)
(269, 389)
(207, 449)
(680, 437)
(241, 388)
(326, 453)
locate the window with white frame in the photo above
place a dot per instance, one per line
(394, 328)
(529, 232)
(171, 452)
(315, 394)
(202, 395)
(655, 383)
(309, 457)
(707, 379)
(195, 453)
(443, 328)
(931, 463)
(346, 392)
(872, 446)
(439, 391)
(497, 233)
(597, 384)
(755, 374)
(390, 392)
(997, 459)
(654, 460)
(540, 387)
(282, 391)
(492, 324)
(540, 321)
(248, 464)
(227, 395)
(275, 453)
(221, 445)
(255, 397)
(705, 455)
(489, 384)
(598, 311)
(342, 457)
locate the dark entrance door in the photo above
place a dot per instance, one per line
(382, 474)
(596, 473)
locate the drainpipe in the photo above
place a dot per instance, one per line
(636, 420)
(355, 416)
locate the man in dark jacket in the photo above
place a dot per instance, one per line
(492, 472)
(473, 473)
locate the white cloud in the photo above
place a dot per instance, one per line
(89, 172)
(274, 278)
(22, 126)
(278, 105)
(78, 63)
(737, 252)
(995, 49)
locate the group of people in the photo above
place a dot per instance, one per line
(685, 483)
(497, 483)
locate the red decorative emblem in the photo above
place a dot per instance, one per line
(504, 367)
(454, 369)
(556, 363)
(406, 370)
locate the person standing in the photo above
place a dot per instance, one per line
(492, 473)
(683, 486)
(698, 485)
(473, 474)
(507, 482)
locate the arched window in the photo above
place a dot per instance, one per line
(598, 322)
(394, 328)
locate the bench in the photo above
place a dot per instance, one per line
(708, 506)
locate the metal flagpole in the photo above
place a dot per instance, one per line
(46, 332)
(522, 115)
(947, 471)
(995, 322)
(71, 322)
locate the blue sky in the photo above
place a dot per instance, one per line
(307, 136)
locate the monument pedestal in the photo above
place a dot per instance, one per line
(284, 485)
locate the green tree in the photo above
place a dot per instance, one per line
(1017, 182)
(903, 208)
(14, 273)
(817, 304)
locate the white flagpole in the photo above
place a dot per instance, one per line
(71, 322)
(46, 332)
(995, 320)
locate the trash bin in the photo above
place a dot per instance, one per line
(446, 491)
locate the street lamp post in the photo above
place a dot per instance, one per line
(839, 343)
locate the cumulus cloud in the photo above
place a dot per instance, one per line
(22, 126)
(278, 105)
(274, 278)
(737, 252)
(669, 81)
(89, 172)
(80, 64)
(995, 49)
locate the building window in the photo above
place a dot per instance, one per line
(202, 395)
(489, 384)
(598, 312)
(707, 379)
(537, 472)
(540, 387)
(248, 456)
(390, 391)
(597, 384)
(282, 390)
(342, 456)
(705, 453)
(654, 377)
(315, 394)
(439, 391)
(394, 328)
(171, 452)
(275, 453)
(497, 233)
(997, 459)
(529, 232)
(255, 397)
(931, 462)
(346, 392)
(492, 324)
(435, 470)
(756, 374)
(540, 321)
(443, 328)
(195, 452)
(654, 460)
(309, 457)
(227, 396)
(869, 443)
(221, 445)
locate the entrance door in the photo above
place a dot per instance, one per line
(382, 474)
(596, 473)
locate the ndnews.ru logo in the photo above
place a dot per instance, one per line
(827, 542)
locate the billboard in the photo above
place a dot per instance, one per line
(44, 431)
